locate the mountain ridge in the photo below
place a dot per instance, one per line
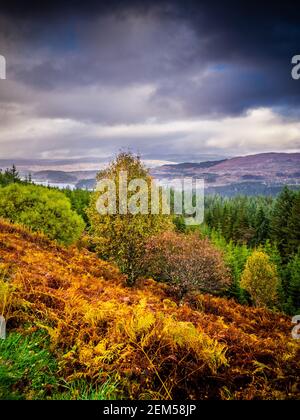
(254, 173)
(269, 167)
(258, 157)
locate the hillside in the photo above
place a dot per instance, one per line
(264, 166)
(54, 176)
(153, 347)
(263, 173)
(263, 162)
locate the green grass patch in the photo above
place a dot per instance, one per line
(81, 390)
(28, 370)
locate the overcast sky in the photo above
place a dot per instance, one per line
(172, 80)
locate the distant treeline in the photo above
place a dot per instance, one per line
(249, 188)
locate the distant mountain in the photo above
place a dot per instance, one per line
(265, 167)
(186, 168)
(54, 176)
(263, 173)
(86, 184)
(261, 164)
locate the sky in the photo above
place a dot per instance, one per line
(171, 80)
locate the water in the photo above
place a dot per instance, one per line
(60, 185)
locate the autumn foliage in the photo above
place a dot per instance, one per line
(260, 279)
(186, 262)
(153, 346)
(120, 237)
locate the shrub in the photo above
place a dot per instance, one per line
(41, 209)
(186, 262)
(260, 279)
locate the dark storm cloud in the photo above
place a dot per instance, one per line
(126, 63)
(244, 49)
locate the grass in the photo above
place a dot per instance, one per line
(29, 371)
(81, 390)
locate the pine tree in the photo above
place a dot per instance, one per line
(294, 286)
(262, 226)
(280, 219)
(13, 174)
(293, 227)
(235, 258)
(10, 176)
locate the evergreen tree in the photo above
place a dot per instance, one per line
(294, 286)
(10, 176)
(293, 227)
(262, 227)
(280, 219)
(236, 257)
(13, 174)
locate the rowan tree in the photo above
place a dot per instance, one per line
(186, 262)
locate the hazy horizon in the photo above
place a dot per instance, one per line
(93, 164)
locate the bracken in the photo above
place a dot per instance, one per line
(208, 347)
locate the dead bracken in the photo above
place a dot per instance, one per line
(208, 347)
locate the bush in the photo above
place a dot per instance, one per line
(186, 262)
(41, 209)
(260, 279)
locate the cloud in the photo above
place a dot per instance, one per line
(164, 78)
(257, 131)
